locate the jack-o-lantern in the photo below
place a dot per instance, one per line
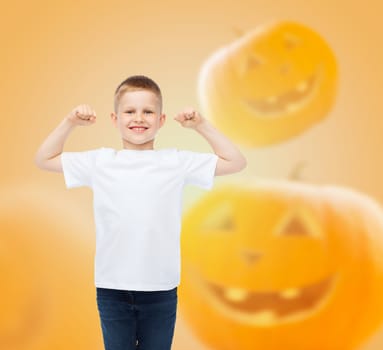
(269, 85)
(282, 265)
(47, 294)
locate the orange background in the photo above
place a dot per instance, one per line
(56, 55)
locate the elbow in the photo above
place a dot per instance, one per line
(242, 164)
(37, 163)
(238, 166)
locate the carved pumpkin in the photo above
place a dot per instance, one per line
(269, 85)
(282, 265)
(47, 296)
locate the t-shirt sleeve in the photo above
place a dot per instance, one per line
(78, 168)
(199, 168)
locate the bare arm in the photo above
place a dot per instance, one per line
(230, 160)
(48, 154)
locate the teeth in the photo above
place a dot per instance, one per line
(290, 293)
(292, 107)
(301, 87)
(264, 317)
(235, 294)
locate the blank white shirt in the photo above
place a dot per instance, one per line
(137, 201)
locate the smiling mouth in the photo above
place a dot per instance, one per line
(288, 102)
(138, 130)
(267, 308)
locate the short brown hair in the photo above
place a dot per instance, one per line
(133, 83)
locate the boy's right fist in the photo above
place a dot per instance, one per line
(82, 115)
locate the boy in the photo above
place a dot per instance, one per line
(137, 194)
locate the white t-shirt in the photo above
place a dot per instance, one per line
(137, 203)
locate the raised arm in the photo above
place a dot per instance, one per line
(48, 154)
(231, 160)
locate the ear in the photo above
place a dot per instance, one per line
(113, 116)
(162, 119)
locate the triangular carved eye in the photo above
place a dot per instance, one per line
(295, 227)
(300, 222)
(253, 62)
(220, 218)
(291, 41)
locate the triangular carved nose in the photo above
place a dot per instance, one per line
(250, 256)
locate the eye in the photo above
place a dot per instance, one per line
(220, 219)
(129, 112)
(300, 223)
(253, 62)
(295, 227)
(148, 111)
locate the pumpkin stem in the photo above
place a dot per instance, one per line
(295, 174)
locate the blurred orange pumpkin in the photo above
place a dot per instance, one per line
(47, 294)
(270, 264)
(269, 85)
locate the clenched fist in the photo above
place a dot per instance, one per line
(189, 118)
(82, 115)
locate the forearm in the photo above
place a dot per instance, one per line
(54, 143)
(221, 145)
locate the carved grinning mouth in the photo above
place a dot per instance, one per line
(267, 308)
(288, 102)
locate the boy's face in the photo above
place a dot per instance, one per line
(140, 108)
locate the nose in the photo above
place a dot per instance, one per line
(138, 116)
(250, 256)
(285, 68)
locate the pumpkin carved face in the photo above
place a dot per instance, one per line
(282, 265)
(269, 85)
(48, 298)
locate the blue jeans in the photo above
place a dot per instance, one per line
(132, 319)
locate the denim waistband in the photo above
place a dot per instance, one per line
(136, 296)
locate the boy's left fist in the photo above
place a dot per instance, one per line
(189, 118)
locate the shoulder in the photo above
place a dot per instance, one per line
(193, 160)
(185, 153)
(90, 156)
(188, 154)
(98, 153)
